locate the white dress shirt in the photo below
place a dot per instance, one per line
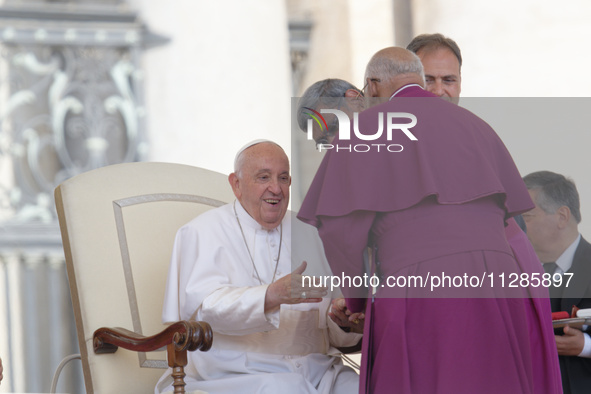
(402, 88)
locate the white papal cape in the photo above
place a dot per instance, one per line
(212, 278)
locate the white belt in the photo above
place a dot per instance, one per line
(298, 334)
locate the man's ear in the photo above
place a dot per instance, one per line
(355, 100)
(564, 216)
(235, 184)
(353, 93)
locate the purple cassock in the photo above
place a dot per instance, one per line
(447, 315)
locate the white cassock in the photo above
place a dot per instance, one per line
(212, 278)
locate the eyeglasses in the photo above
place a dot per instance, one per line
(362, 91)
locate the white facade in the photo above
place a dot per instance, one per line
(222, 81)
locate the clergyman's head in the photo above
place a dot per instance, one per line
(390, 69)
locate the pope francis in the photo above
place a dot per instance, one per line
(232, 267)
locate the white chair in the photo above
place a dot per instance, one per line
(118, 225)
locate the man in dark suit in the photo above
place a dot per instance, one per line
(552, 227)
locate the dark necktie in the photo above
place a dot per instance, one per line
(550, 268)
(555, 292)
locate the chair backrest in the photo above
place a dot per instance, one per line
(118, 225)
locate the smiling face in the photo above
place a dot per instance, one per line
(442, 73)
(262, 183)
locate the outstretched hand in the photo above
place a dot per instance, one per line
(291, 290)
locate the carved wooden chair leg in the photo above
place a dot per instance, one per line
(177, 360)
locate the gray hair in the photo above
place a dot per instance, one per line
(554, 191)
(385, 67)
(434, 41)
(329, 93)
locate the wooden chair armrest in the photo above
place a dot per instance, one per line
(185, 335)
(178, 338)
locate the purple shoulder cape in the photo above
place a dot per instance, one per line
(456, 157)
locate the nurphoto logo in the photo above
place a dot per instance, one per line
(343, 126)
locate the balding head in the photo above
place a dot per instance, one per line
(390, 69)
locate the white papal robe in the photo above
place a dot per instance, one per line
(212, 278)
